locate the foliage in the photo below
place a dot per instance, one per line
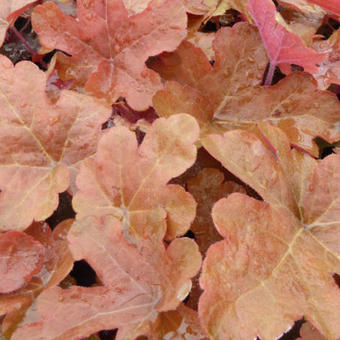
(193, 168)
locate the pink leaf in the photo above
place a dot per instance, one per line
(283, 47)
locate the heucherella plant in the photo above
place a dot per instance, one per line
(169, 169)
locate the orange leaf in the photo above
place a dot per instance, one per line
(308, 332)
(108, 48)
(275, 264)
(57, 263)
(207, 188)
(136, 285)
(21, 257)
(179, 324)
(229, 95)
(39, 142)
(130, 181)
(329, 69)
(295, 105)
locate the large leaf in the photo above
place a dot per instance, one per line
(130, 181)
(277, 261)
(39, 141)
(108, 48)
(135, 287)
(295, 105)
(229, 95)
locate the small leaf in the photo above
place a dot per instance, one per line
(283, 46)
(21, 257)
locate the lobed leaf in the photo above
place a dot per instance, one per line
(108, 48)
(57, 262)
(136, 285)
(130, 181)
(283, 46)
(229, 95)
(39, 141)
(275, 264)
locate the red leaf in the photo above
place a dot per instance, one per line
(21, 257)
(283, 46)
(329, 5)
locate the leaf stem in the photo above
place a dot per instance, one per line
(29, 48)
(270, 74)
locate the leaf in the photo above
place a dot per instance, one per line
(57, 263)
(182, 323)
(274, 264)
(295, 105)
(129, 181)
(39, 141)
(108, 53)
(254, 163)
(328, 71)
(332, 6)
(197, 7)
(302, 18)
(238, 101)
(204, 41)
(283, 47)
(20, 258)
(10, 10)
(308, 332)
(207, 188)
(135, 285)
(218, 7)
(206, 89)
